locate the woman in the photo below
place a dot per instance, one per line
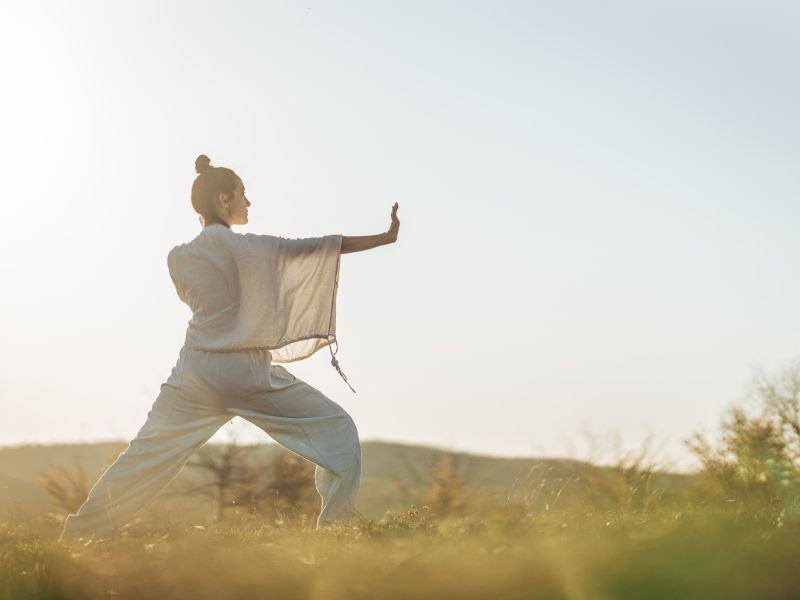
(256, 300)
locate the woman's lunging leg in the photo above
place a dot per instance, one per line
(163, 445)
(302, 419)
(338, 491)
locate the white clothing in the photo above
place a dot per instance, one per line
(250, 291)
(203, 392)
(255, 300)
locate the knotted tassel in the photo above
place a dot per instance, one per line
(335, 364)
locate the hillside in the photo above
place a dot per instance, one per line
(394, 476)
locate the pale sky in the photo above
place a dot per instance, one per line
(599, 206)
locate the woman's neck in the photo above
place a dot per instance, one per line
(207, 223)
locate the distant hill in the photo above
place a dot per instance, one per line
(394, 476)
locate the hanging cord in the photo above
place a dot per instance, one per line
(335, 364)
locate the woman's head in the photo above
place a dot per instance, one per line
(218, 194)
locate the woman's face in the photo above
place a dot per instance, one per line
(237, 206)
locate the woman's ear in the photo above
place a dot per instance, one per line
(224, 199)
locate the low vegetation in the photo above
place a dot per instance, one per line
(562, 529)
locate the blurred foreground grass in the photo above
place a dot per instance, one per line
(502, 552)
(564, 530)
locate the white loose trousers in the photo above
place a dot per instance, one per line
(203, 392)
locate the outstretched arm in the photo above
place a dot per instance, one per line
(357, 243)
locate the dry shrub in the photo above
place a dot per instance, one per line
(755, 463)
(632, 483)
(445, 495)
(66, 487)
(627, 486)
(541, 491)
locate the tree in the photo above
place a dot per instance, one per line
(225, 474)
(234, 475)
(779, 395)
(756, 461)
(289, 489)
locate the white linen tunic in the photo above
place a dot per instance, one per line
(259, 292)
(255, 299)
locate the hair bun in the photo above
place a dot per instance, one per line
(202, 164)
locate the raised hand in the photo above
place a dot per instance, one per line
(394, 229)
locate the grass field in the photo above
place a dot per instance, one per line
(433, 525)
(500, 553)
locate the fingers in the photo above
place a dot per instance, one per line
(395, 221)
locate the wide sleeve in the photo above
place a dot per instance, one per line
(302, 282)
(310, 248)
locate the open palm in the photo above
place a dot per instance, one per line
(394, 229)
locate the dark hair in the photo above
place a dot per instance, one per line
(209, 182)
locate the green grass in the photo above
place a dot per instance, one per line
(504, 552)
(496, 529)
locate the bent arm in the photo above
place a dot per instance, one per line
(358, 243)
